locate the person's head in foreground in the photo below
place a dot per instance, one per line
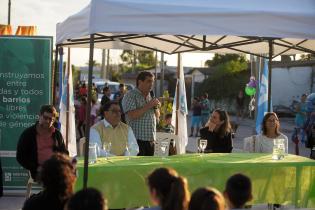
(168, 190)
(271, 124)
(87, 199)
(238, 191)
(206, 198)
(58, 176)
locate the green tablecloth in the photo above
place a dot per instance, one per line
(288, 181)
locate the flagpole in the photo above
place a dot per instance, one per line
(60, 72)
(68, 102)
(269, 75)
(177, 95)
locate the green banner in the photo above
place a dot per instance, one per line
(25, 81)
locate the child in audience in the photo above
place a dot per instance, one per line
(168, 128)
(87, 199)
(168, 190)
(207, 198)
(238, 191)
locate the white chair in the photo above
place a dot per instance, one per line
(30, 183)
(249, 144)
(164, 137)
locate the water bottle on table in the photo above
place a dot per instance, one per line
(92, 153)
(278, 151)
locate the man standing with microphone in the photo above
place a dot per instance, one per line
(141, 110)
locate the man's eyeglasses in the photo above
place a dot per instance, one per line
(115, 111)
(48, 118)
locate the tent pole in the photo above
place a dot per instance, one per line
(270, 72)
(68, 100)
(88, 110)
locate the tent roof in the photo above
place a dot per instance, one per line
(225, 26)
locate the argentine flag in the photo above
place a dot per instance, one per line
(262, 105)
(182, 112)
(67, 96)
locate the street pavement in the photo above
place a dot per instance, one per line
(245, 129)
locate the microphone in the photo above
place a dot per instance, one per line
(152, 94)
(152, 97)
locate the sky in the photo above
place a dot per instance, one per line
(45, 14)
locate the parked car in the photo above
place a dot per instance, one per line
(283, 111)
(113, 86)
(129, 86)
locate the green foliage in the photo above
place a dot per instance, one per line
(220, 59)
(228, 78)
(307, 57)
(229, 68)
(75, 75)
(166, 108)
(144, 60)
(227, 86)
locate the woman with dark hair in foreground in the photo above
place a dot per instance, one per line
(207, 198)
(58, 178)
(87, 199)
(168, 190)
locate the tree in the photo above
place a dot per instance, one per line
(220, 59)
(144, 59)
(230, 75)
(307, 57)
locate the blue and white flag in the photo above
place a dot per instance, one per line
(181, 113)
(67, 96)
(262, 105)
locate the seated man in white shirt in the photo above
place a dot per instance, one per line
(112, 131)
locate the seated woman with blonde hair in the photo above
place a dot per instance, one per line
(207, 198)
(264, 142)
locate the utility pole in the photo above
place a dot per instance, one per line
(9, 12)
(108, 73)
(162, 67)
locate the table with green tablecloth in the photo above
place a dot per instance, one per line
(290, 181)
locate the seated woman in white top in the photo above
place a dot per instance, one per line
(264, 142)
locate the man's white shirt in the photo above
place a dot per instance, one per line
(95, 138)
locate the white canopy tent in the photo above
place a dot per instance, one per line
(224, 26)
(187, 25)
